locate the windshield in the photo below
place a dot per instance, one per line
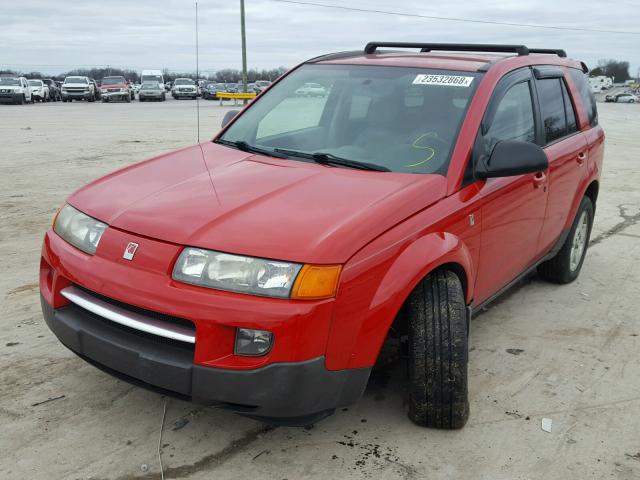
(75, 80)
(114, 81)
(152, 78)
(35, 83)
(402, 119)
(184, 81)
(9, 81)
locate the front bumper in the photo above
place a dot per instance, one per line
(10, 96)
(295, 393)
(116, 95)
(74, 95)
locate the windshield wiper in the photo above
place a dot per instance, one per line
(245, 147)
(330, 159)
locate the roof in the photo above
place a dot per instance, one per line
(463, 57)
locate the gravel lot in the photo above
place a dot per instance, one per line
(567, 353)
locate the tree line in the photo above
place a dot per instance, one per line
(227, 75)
(618, 70)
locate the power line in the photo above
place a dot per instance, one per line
(457, 19)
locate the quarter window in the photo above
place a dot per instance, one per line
(582, 84)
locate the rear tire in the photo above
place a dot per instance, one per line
(565, 266)
(438, 352)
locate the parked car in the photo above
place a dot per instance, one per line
(39, 90)
(231, 87)
(96, 89)
(626, 98)
(116, 88)
(311, 90)
(609, 98)
(151, 91)
(184, 88)
(78, 88)
(54, 89)
(263, 271)
(15, 90)
(136, 88)
(262, 84)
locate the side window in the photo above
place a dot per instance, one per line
(570, 113)
(514, 119)
(552, 109)
(582, 84)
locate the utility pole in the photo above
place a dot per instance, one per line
(244, 48)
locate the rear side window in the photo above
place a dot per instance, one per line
(582, 84)
(514, 118)
(552, 109)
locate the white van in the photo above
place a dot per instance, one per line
(152, 76)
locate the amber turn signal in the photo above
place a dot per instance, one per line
(316, 281)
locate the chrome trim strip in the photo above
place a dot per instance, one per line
(129, 319)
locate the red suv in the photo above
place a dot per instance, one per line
(262, 271)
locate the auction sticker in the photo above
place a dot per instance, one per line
(446, 80)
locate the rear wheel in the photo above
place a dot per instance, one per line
(438, 352)
(565, 266)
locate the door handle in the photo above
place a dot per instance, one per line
(539, 180)
(581, 158)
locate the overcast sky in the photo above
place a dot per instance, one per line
(57, 35)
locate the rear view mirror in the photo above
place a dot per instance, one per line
(511, 158)
(229, 116)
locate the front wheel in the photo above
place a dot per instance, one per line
(438, 352)
(565, 266)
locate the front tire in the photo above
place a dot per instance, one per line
(566, 265)
(438, 352)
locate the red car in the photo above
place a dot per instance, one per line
(116, 88)
(262, 271)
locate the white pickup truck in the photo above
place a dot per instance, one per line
(78, 88)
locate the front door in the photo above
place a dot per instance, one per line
(513, 208)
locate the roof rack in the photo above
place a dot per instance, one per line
(551, 51)
(371, 47)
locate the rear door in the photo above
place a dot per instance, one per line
(513, 208)
(566, 149)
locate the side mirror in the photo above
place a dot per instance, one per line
(510, 158)
(229, 116)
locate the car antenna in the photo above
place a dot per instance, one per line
(197, 78)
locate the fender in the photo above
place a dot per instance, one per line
(355, 338)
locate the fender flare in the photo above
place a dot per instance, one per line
(357, 343)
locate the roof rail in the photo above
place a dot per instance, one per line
(371, 47)
(551, 51)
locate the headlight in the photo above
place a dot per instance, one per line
(79, 229)
(223, 271)
(256, 276)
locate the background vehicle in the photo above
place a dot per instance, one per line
(152, 76)
(626, 98)
(115, 88)
(184, 88)
(54, 89)
(78, 88)
(262, 84)
(39, 91)
(151, 91)
(231, 87)
(96, 88)
(15, 90)
(311, 90)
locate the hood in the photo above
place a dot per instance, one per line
(115, 85)
(232, 201)
(11, 87)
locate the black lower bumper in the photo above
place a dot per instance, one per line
(286, 393)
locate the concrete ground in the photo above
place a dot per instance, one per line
(567, 353)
